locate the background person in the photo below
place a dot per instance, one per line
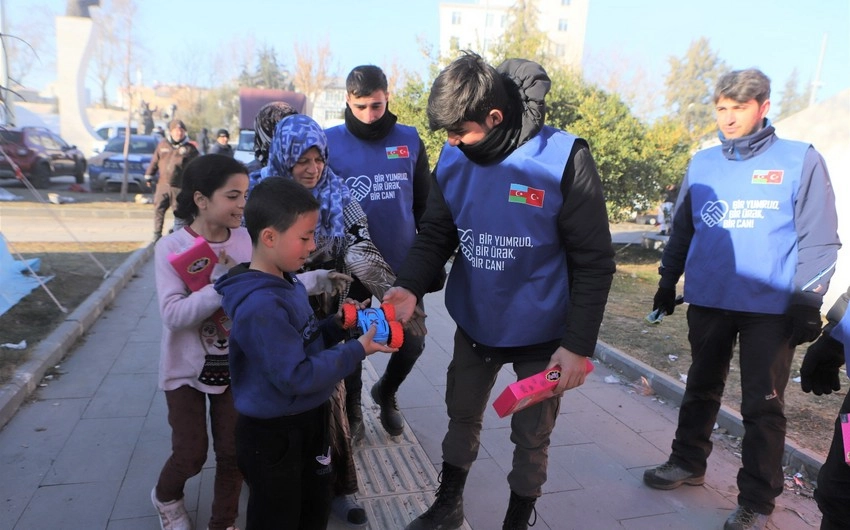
(172, 155)
(221, 145)
(755, 236)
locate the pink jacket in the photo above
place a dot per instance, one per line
(186, 338)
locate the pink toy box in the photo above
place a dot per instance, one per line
(531, 390)
(194, 266)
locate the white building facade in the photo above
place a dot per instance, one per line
(480, 25)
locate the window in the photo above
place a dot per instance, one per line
(565, 2)
(560, 50)
(503, 21)
(455, 18)
(488, 20)
(562, 24)
(454, 43)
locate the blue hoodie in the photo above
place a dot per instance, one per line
(279, 362)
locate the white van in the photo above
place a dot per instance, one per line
(108, 130)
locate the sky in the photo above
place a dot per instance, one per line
(625, 38)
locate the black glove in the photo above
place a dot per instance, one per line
(804, 322)
(819, 373)
(665, 299)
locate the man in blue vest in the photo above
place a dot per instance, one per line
(755, 235)
(385, 166)
(820, 374)
(523, 203)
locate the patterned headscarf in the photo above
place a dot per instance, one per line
(264, 123)
(293, 137)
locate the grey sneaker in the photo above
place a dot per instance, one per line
(669, 476)
(745, 519)
(172, 514)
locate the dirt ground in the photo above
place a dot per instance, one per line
(665, 348)
(75, 277)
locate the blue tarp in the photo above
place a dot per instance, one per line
(15, 280)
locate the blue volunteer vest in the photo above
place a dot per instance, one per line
(508, 283)
(380, 176)
(743, 255)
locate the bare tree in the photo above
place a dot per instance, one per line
(312, 68)
(30, 43)
(107, 51)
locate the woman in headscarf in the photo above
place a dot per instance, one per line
(298, 151)
(264, 123)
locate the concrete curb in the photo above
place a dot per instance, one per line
(671, 390)
(55, 346)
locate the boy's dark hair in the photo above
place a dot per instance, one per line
(466, 90)
(365, 79)
(743, 85)
(206, 174)
(276, 202)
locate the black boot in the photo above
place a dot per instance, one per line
(447, 511)
(519, 512)
(391, 418)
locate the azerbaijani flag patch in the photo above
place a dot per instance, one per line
(525, 195)
(767, 176)
(398, 151)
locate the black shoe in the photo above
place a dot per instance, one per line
(447, 511)
(346, 509)
(519, 512)
(391, 418)
(669, 476)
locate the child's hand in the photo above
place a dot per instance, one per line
(371, 346)
(340, 317)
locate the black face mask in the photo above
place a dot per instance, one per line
(369, 131)
(500, 141)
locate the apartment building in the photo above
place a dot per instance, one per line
(480, 24)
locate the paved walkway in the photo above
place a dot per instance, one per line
(83, 450)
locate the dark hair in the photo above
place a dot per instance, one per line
(276, 202)
(365, 79)
(206, 174)
(466, 90)
(743, 85)
(264, 124)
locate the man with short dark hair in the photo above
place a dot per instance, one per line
(523, 202)
(170, 158)
(385, 166)
(755, 235)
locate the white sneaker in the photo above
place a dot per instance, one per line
(172, 515)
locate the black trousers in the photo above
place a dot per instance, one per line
(765, 363)
(286, 465)
(833, 491)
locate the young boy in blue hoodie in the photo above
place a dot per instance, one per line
(282, 373)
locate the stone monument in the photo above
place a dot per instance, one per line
(74, 47)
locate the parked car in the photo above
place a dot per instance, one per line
(107, 169)
(40, 154)
(107, 131)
